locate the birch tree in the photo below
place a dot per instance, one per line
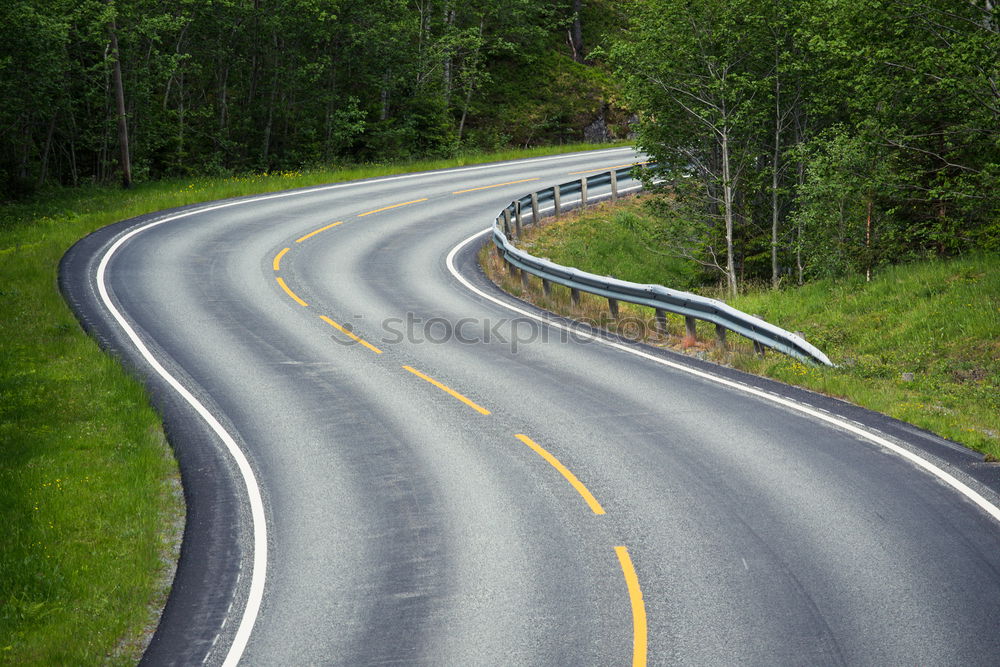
(693, 72)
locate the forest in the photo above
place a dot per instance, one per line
(791, 140)
(824, 138)
(222, 86)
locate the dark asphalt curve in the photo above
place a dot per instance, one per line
(442, 481)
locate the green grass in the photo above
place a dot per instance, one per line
(88, 494)
(89, 497)
(600, 239)
(939, 320)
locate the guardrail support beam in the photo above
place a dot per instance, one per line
(556, 199)
(614, 185)
(574, 296)
(525, 276)
(720, 335)
(506, 223)
(759, 348)
(689, 327)
(583, 192)
(546, 287)
(534, 208)
(613, 307)
(517, 218)
(661, 317)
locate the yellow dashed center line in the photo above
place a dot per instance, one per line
(290, 293)
(350, 334)
(617, 166)
(570, 477)
(277, 259)
(478, 408)
(639, 631)
(498, 185)
(317, 231)
(386, 208)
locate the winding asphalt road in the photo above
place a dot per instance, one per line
(385, 464)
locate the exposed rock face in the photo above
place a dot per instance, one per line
(597, 132)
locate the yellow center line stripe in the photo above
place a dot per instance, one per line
(315, 232)
(498, 185)
(277, 259)
(290, 293)
(386, 208)
(639, 631)
(570, 477)
(617, 166)
(350, 334)
(478, 408)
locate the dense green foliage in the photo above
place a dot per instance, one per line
(818, 138)
(232, 86)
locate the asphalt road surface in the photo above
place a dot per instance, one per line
(385, 464)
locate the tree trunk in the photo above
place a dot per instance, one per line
(576, 32)
(223, 99)
(449, 21)
(774, 184)
(43, 173)
(120, 102)
(868, 242)
(471, 83)
(384, 96)
(727, 212)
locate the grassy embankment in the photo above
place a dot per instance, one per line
(89, 496)
(939, 320)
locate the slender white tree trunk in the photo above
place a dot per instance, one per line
(727, 211)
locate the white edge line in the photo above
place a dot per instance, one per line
(943, 475)
(258, 522)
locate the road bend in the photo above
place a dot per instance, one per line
(442, 480)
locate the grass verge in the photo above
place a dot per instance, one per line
(919, 342)
(89, 490)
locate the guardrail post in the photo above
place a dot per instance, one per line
(506, 222)
(546, 287)
(613, 307)
(614, 185)
(556, 198)
(759, 348)
(720, 335)
(534, 208)
(661, 317)
(689, 327)
(506, 264)
(583, 192)
(574, 295)
(517, 218)
(525, 276)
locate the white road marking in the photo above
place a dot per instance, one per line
(822, 415)
(258, 518)
(258, 521)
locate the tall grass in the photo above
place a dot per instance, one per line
(920, 342)
(89, 491)
(88, 488)
(937, 320)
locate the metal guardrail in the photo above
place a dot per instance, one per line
(692, 307)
